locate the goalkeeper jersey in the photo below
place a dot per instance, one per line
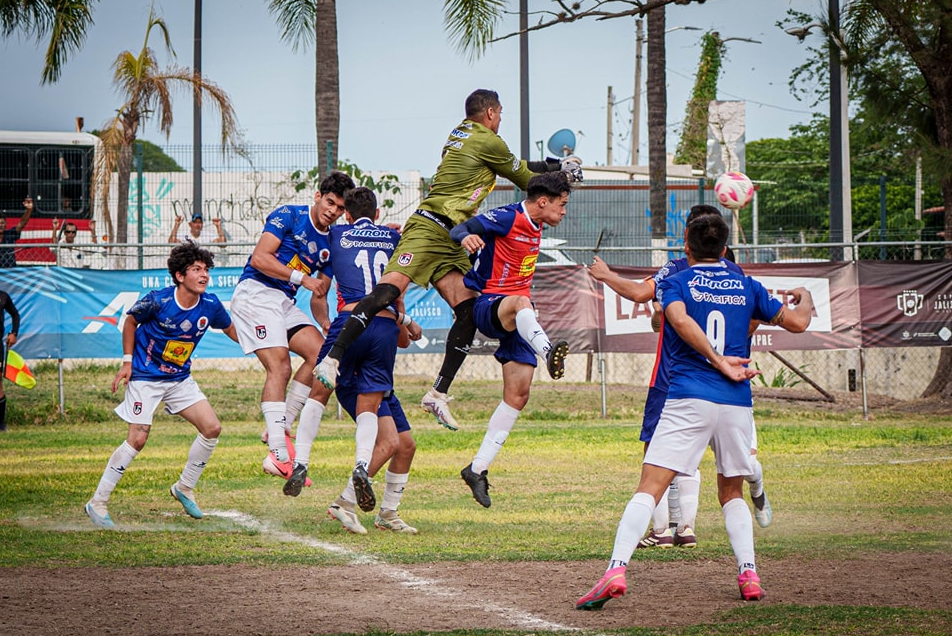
(472, 157)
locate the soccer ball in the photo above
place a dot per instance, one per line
(733, 190)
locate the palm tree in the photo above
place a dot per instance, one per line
(656, 92)
(64, 21)
(147, 91)
(306, 22)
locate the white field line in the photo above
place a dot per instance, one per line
(431, 587)
(918, 460)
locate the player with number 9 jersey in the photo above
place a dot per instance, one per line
(723, 303)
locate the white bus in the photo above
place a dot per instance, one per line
(56, 169)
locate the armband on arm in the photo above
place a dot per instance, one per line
(297, 277)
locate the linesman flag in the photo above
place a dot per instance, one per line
(17, 372)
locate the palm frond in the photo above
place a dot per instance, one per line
(296, 18)
(71, 20)
(471, 24)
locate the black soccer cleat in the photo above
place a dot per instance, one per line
(366, 500)
(479, 484)
(555, 359)
(294, 484)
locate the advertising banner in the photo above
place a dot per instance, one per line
(79, 313)
(906, 304)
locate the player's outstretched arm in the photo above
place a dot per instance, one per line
(797, 319)
(640, 291)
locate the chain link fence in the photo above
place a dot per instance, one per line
(607, 218)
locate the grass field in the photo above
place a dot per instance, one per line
(840, 486)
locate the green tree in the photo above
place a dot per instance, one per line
(306, 22)
(692, 148)
(65, 22)
(147, 91)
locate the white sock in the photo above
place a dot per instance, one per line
(393, 491)
(532, 332)
(294, 401)
(115, 469)
(660, 516)
(349, 495)
(500, 423)
(740, 531)
(689, 487)
(365, 437)
(632, 527)
(756, 478)
(198, 456)
(307, 430)
(274, 419)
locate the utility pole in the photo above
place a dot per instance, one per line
(636, 106)
(608, 126)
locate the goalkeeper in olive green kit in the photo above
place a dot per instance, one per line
(473, 156)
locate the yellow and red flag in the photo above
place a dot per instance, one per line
(17, 372)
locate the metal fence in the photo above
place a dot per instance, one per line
(608, 218)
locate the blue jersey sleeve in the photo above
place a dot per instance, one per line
(220, 319)
(145, 309)
(497, 222)
(765, 305)
(279, 222)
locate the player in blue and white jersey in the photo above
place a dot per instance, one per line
(358, 253)
(506, 243)
(708, 310)
(292, 248)
(674, 517)
(159, 335)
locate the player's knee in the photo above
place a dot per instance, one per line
(380, 296)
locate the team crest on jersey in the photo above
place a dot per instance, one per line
(405, 259)
(261, 332)
(203, 323)
(186, 325)
(311, 247)
(137, 408)
(324, 256)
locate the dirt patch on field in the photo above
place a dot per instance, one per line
(238, 600)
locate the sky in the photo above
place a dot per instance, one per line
(403, 84)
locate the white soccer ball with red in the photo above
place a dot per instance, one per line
(733, 190)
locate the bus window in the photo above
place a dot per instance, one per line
(14, 179)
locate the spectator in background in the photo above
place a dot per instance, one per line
(197, 232)
(68, 254)
(6, 305)
(10, 236)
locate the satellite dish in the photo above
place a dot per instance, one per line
(562, 143)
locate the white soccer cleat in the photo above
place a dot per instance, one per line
(436, 404)
(326, 372)
(344, 512)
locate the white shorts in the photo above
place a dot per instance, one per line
(688, 426)
(144, 396)
(753, 435)
(263, 315)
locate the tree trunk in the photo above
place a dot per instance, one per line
(123, 175)
(657, 98)
(326, 85)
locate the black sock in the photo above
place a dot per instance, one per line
(3, 412)
(458, 341)
(382, 295)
